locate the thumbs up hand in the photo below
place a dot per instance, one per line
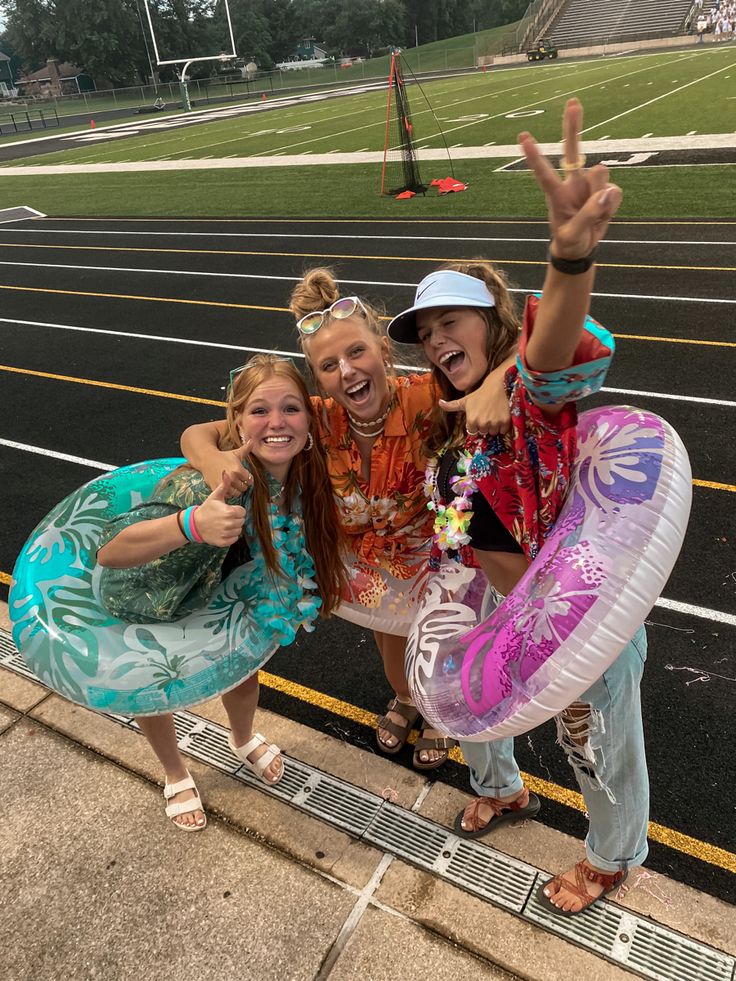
(218, 522)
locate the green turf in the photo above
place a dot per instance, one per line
(654, 192)
(671, 93)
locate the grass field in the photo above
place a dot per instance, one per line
(350, 190)
(676, 93)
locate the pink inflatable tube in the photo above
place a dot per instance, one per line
(479, 671)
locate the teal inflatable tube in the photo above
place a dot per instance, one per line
(73, 645)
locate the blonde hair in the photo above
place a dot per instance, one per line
(317, 290)
(503, 334)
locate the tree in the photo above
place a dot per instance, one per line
(102, 38)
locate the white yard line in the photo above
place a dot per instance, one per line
(665, 95)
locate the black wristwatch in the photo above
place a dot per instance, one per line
(571, 267)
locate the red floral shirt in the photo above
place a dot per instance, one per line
(530, 467)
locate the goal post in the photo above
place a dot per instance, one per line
(186, 62)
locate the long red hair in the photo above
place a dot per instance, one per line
(308, 476)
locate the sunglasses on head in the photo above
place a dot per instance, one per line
(250, 364)
(340, 310)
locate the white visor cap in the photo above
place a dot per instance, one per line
(445, 288)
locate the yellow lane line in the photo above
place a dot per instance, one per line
(150, 299)
(253, 306)
(339, 255)
(674, 340)
(675, 840)
(560, 795)
(713, 485)
(99, 384)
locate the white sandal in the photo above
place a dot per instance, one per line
(195, 804)
(263, 761)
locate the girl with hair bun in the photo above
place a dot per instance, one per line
(166, 557)
(373, 425)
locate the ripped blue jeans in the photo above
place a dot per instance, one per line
(603, 738)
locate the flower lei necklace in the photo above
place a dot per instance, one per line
(452, 520)
(292, 600)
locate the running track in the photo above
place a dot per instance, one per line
(117, 334)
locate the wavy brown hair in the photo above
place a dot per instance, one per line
(503, 336)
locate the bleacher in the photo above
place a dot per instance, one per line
(584, 22)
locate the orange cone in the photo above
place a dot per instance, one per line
(263, 97)
(485, 69)
(91, 124)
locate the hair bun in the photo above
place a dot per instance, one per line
(315, 291)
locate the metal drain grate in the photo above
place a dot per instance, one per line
(628, 940)
(409, 836)
(493, 876)
(658, 953)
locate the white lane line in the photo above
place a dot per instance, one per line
(354, 238)
(95, 464)
(676, 398)
(697, 611)
(687, 608)
(664, 95)
(352, 282)
(419, 369)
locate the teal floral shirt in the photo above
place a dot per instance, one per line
(185, 580)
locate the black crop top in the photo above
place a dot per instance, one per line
(487, 532)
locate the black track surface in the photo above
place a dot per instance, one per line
(690, 683)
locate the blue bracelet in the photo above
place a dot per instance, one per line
(186, 521)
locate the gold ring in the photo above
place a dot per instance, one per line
(569, 168)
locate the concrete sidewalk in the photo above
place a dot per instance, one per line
(702, 141)
(97, 884)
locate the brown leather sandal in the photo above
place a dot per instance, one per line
(524, 807)
(400, 732)
(441, 743)
(583, 873)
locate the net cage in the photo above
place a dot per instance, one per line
(400, 165)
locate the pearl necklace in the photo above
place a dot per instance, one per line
(376, 432)
(370, 422)
(357, 425)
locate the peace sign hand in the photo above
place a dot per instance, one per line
(580, 206)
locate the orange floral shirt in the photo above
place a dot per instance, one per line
(387, 514)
